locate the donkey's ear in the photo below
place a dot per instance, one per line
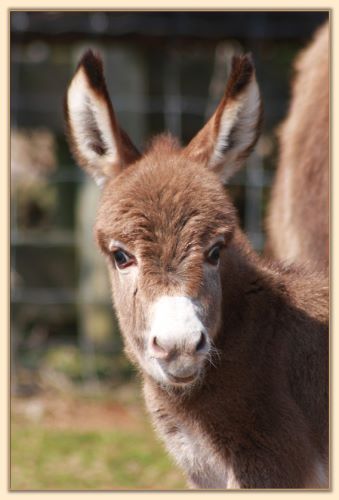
(231, 133)
(97, 142)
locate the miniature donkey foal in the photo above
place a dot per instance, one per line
(233, 350)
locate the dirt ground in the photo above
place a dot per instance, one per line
(69, 411)
(101, 440)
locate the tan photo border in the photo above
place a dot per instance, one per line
(8, 5)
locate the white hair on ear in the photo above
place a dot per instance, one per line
(237, 129)
(91, 126)
(231, 133)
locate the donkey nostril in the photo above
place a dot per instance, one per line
(202, 342)
(158, 349)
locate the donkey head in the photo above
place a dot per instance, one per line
(164, 221)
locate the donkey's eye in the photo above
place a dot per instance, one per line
(122, 259)
(213, 255)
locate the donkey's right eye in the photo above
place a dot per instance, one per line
(122, 259)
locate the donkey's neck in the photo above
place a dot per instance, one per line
(247, 282)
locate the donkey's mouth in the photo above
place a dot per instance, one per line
(181, 380)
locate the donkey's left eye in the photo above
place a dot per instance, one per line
(122, 259)
(213, 255)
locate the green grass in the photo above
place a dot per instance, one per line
(44, 458)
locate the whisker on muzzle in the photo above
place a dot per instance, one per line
(214, 355)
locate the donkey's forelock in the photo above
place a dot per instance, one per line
(164, 198)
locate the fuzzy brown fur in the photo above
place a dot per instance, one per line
(298, 216)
